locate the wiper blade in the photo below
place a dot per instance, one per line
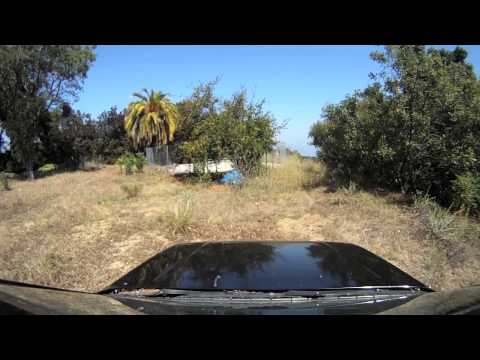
(231, 294)
(153, 292)
(272, 294)
(356, 291)
(211, 296)
(379, 288)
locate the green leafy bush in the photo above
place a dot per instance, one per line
(239, 130)
(132, 191)
(130, 163)
(415, 129)
(4, 182)
(110, 137)
(47, 168)
(466, 193)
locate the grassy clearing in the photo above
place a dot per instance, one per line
(79, 230)
(290, 176)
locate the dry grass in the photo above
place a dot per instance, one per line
(78, 230)
(292, 175)
(132, 191)
(180, 219)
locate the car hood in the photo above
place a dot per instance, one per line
(263, 266)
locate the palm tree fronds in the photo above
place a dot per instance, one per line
(153, 119)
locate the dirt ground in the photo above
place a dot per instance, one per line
(80, 231)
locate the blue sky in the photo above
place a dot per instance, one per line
(295, 81)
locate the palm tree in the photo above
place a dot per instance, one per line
(152, 120)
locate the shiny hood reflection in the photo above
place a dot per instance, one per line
(263, 266)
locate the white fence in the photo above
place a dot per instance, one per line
(161, 155)
(219, 167)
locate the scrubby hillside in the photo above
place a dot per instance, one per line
(84, 229)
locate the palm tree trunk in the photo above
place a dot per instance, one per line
(29, 169)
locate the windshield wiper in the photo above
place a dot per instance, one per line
(274, 294)
(359, 291)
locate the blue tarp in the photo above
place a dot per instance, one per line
(233, 177)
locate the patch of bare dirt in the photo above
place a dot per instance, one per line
(308, 227)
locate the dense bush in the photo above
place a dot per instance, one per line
(130, 163)
(67, 139)
(238, 130)
(8, 163)
(194, 110)
(47, 168)
(35, 80)
(72, 138)
(4, 182)
(415, 129)
(466, 193)
(111, 140)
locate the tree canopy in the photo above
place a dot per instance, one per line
(235, 129)
(151, 120)
(34, 79)
(416, 128)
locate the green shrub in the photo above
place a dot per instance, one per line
(140, 162)
(47, 168)
(132, 191)
(130, 163)
(466, 193)
(240, 130)
(4, 182)
(416, 128)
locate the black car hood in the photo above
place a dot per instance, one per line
(263, 266)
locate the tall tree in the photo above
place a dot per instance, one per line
(33, 80)
(416, 128)
(435, 103)
(238, 129)
(202, 104)
(151, 120)
(69, 138)
(112, 140)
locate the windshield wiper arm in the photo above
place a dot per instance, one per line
(357, 291)
(380, 288)
(272, 294)
(153, 292)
